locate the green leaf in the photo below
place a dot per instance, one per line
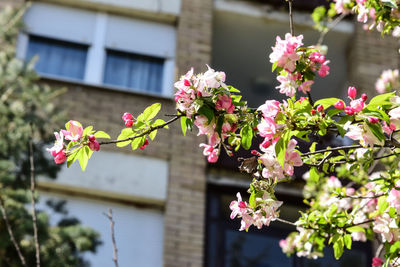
(206, 111)
(281, 146)
(159, 122)
(138, 142)
(233, 89)
(381, 100)
(382, 205)
(149, 112)
(184, 125)
(153, 134)
(338, 248)
(247, 136)
(347, 241)
(72, 158)
(125, 133)
(218, 128)
(314, 174)
(326, 102)
(101, 134)
(355, 229)
(274, 66)
(395, 247)
(83, 156)
(376, 129)
(87, 130)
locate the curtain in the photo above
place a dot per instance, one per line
(58, 58)
(136, 72)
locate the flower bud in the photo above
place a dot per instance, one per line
(91, 138)
(60, 158)
(255, 153)
(352, 92)
(127, 116)
(144, 145)
(186, 82)
(364, 97)
(373, 119)
(128, 123)
(266, 144)
(313, 111)
(320, 108)
(339, 104)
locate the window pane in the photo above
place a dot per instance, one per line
(57, 57)
(137, 72)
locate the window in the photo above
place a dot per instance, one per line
(137, 72)
(226, 246)
(58, 58)
(99, 48)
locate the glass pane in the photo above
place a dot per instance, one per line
(57, 57)
(137, 72)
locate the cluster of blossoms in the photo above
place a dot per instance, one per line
(264, 211)
(269, 129)
(74, 134)
(296, 65)
(197, 97)
(371, 13)
(388, 81)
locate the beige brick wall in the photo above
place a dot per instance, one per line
(369, 55)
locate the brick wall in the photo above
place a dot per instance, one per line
(185, 209)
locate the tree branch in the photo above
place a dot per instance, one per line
(110, 218)
(331, 26)
(33, 201)
(291, 17)
(144, 133)
(10, 232)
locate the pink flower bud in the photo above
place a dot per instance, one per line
(373, 119)
(339, 104)
(349, 110)
(320, 108)
(364, 97)
(186, 82)
(60, 158)
(144, 145)
(266, 144)
(376, 261)
(313, 111)
(255, 153)
(352, 92)
(128, 123)
(127, 116)
(91, 138)
(94, 145)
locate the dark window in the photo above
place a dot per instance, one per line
(133, 71)
(226, 246)
(58, 58)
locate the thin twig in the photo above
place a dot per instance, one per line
(33, 201)
(291, 17)
(144, 133)
(115, 253)
(284, 221)
(10, 232)
(331, 26)
(379, 250)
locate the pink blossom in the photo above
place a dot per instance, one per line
(395, 113)
(288, 84)
(267, 128)
(239, 207)
(388, 80)
(74, 131)
(284, 53)
(58, 145)
(270, 108)
(324, 69)
(201, 122)
(333, 182)
(357, 105)
(213, 79)
(292, 158)
(306, 86)
(359, 236)
(210, 152)
(394, 198)
(363, 134)
(317, 57)
(224, 102)
(373, 119)
(339, 104)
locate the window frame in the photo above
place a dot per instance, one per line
(93, 33)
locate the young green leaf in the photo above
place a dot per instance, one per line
(326, 102)
(184, 124)
(149, 112)
(247, 135)
(101, 134)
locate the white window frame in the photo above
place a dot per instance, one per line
(96, 30)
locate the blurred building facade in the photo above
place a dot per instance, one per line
(170, 206)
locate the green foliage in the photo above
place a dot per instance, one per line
(26, 105)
